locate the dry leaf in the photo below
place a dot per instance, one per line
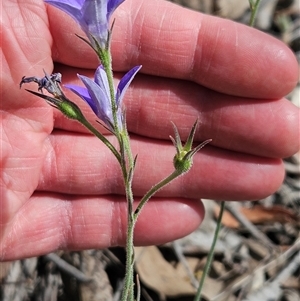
(99, 289)
(159, 275)
(4, 269)
(232, 9)
(259, 215)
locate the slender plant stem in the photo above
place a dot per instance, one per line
(127, 293)
(154, 190)
(102, 138)
(127, 165)
(254, 4)
(128, 290)
(211, 253)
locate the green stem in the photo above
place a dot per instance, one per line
(127, 293)
(254, 9)
(211, 253)
(254, 4)
(125, 158)
(154, 190)
(128, 289)
(127, 166)
(101, 137)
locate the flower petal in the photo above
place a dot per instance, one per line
(125, 82)
(71, 7)
(92, 15)
(101, 80)
(99, 97)
(111, 7)
(94, 21)
(84, 94)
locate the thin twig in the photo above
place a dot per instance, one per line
(233, 208)
(67, 268)
(211, 253)
(254, 4)
(281, 259)
(179, 253)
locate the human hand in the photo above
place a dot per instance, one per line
(61, 188)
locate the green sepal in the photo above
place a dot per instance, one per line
(67, 107)
(183, 160)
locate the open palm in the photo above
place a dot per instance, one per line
(61, 188)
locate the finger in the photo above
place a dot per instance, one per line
(83, 165)
(264, 128)
(25, 121)
(25, 46)
(176, 42)
(76, 223)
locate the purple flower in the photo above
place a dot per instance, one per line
(92, 15)
(97, 94)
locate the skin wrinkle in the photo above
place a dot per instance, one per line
(229, 140)
(48, 159)
(177, 50)
(108, 181)
(226, 125)
(117, 225)
(11, 204)
(133, 51)
(110, 234)
(159, 31)
(71, 181)
(207, 66)
(15, 167)
(29, 16)
(196, 50)
(84, 220)
(170, 100)
(182, 57)
(182, 112)
(218, 123)
(66, 224)
(168, 104)
(8, 238)
(190, 33)
(151, 44)
(72, 232)
(52, 166)
(8, 66)
(236, 36)
(112, 183)
(72, 176)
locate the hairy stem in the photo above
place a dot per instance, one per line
(154, 190)
(102, 138)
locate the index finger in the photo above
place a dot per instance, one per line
(175, 42)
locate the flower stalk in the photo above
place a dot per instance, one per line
(186, 154)
(106, 101)
(211, 253)
(254, 4)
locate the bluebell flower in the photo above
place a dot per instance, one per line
(92, 15)
(97, 94)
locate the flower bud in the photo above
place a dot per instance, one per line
(183, 160)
